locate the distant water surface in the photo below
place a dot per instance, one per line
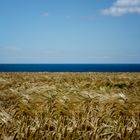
(69, 67)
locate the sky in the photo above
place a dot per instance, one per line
(69, 31)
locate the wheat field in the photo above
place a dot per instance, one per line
(69, 106)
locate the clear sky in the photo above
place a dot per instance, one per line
(69, 31)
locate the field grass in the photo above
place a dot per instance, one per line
(69, 106)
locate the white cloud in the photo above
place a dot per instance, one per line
(122, 7)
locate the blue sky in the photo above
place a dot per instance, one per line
(69, 31)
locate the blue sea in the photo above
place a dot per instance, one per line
(69, 67)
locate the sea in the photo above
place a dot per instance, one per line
(69, 67)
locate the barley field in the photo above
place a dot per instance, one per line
(69, 106)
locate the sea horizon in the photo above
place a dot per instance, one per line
(69, 67)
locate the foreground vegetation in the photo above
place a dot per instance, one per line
(70, 106)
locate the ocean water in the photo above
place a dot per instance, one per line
(69, 67)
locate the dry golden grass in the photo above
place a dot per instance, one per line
(69, 106)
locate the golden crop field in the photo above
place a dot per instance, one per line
(69, 106)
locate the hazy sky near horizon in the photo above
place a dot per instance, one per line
(69, 31)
